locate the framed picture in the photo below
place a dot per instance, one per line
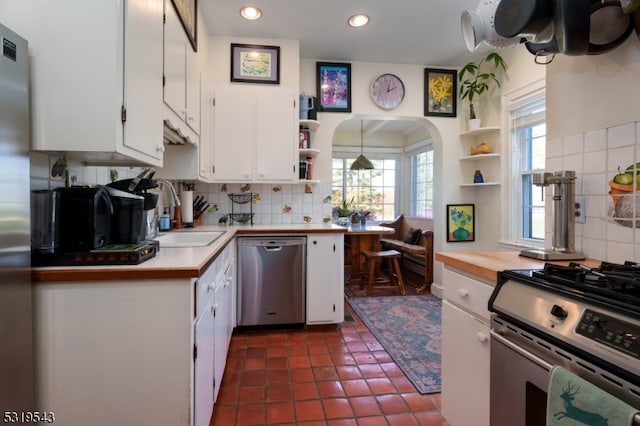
(461, 223)
(252, 63)
(187, 11)
(333, 86)
(440, 89)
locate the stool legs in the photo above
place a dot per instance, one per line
(372, 272)
(395, 281)
(397, 275)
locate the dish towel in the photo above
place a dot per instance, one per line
(572, 400)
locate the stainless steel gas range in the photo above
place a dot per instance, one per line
(585, 320)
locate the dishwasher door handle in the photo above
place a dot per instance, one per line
(273, 248)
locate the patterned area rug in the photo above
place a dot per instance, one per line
(408, 327)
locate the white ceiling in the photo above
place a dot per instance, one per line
(419, 32)
(425, 32)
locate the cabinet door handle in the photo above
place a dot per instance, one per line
(463, 292)
(160, 148)
(482, 337)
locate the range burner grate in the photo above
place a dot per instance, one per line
(616, 282)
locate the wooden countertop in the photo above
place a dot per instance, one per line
(172, 263)
(486, 264)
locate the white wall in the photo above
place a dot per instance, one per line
(593, 105)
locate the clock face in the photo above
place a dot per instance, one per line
(387, 91)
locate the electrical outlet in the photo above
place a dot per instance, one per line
(581, 210)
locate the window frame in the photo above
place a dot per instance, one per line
(512, 169)
(409, 153)
(374, 153)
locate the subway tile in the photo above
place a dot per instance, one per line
(623, 135)
(573, 145)
(595, 140)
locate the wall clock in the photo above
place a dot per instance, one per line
(387, 91)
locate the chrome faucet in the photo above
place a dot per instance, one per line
(174, 196)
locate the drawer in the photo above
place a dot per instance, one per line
(206, 286)
(467, 292)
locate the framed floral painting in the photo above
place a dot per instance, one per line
(461, 220)
(440, 92)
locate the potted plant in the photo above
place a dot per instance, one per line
(476, 78)
(344, 212)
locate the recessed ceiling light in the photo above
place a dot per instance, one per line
(251, 13)
(358, 20)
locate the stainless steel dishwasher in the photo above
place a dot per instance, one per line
(272, 283)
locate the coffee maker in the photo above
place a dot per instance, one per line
(85, 218)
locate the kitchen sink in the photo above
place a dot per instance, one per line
(188, 239)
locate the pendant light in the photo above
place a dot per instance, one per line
(362, 162)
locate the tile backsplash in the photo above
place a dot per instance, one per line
(612, 227)
(51, 171)
(272, 203)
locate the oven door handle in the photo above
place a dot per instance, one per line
(533, 358)
(496, 337)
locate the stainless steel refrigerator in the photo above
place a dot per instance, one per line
(16, 324)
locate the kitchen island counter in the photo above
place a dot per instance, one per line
(183, 262)
(487, 264)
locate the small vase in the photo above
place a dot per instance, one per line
(474, 123)
(343, 221)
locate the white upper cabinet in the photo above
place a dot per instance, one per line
(182, 74)
(97, 80)
(255, 134)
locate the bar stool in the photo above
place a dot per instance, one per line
(373, 259)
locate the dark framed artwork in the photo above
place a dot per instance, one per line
(252, 63)
(461, 223)
(187, 11)
(333, 86)
(440, 89)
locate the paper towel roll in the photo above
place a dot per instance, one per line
(186, 207)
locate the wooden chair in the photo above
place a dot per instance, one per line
(393, 281)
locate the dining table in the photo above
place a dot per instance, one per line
(359, 238)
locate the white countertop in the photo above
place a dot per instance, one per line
(180, 262)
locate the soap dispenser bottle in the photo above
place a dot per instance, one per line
(165, 221)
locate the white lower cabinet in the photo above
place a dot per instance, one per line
(224, 321)
(145, 352)
(325, 278)
(204, 361)
(465, 350)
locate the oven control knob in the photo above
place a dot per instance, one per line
(559, 312)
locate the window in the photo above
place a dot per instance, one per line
(421, 182)
(371, 190)
(527, 130)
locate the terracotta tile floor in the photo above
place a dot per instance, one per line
(324, 375)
